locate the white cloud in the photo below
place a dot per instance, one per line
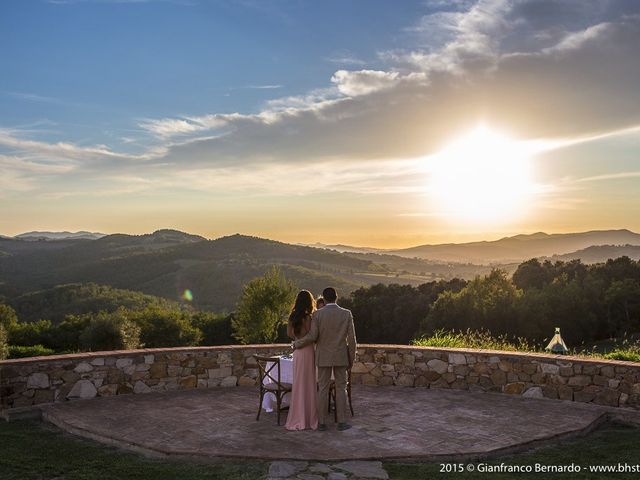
(65, 154)
(363, 82)
(575, 40)
(56, 150)
(33, 97)
(314, 100)
(264, 87)
(175, 2)
(609, 176)
(569, 83)
(345, 57)
(454, 39)
(170, 127)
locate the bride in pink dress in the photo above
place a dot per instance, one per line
(302, 408)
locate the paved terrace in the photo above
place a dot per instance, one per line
(390, 423)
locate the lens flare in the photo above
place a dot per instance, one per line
(187, 295)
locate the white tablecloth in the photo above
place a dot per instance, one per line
(286, 376)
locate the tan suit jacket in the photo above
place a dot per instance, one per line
(332, 330)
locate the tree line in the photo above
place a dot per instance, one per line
(588, 302)
(122, 328)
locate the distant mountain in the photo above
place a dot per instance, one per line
(520, 247)
(60, 235)
(107, 246)
(601, 253)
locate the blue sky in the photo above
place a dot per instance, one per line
(96, 67)
(247, 116)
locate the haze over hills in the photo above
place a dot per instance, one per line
(509, 249)
(345, 248)
(600, 253)
(520, 247)
(60, 235)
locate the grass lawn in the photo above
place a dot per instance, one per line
(609, 445)
(33, 450)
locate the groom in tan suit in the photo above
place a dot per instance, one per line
(332, 330)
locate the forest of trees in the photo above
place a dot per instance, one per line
(589, 303)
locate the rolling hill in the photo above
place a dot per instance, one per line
(75, 299)
(166, 263)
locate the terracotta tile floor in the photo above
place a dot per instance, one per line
(390, 422)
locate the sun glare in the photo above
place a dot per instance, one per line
(482, 176)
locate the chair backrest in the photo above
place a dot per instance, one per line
(266, 366)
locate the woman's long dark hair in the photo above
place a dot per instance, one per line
(304, 306)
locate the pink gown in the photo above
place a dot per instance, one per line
(303, 413)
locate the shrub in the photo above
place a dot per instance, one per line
(8, 316)
(111, 331)
(481, 339)
(22, 351)
(4, 351)
(629, 353)
(66, 335)
(216, 329)
(32, 333)
(263, 308)
(166, 328)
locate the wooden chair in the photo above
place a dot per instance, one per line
(270, 382)
(332, 396)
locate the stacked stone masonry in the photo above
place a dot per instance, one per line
(34, 381)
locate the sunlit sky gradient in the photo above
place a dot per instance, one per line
(317, 121)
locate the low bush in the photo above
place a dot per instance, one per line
(31, 333)
(166, 328)
(4, 347)
(111, 331)
(66, 335)
(216, 329)
(630, 354)
(474, 339)
(23, 351)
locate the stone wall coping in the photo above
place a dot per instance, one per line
(507, 354)
(140, 351)
(271, 346)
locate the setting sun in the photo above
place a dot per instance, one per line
(482, 176)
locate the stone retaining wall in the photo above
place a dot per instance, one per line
(33, 381)
(604, 382)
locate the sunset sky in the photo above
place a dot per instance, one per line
(379, 123)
